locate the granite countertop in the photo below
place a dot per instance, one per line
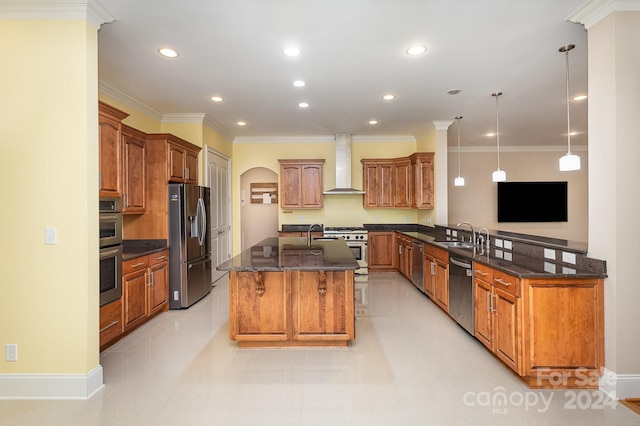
(292, 253)
(522, 266)
(136, 248)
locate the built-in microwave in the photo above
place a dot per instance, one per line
(110, 222)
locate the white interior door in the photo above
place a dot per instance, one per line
(218, 179)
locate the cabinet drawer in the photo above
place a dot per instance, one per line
(161, 256)
(507, 282)
(133, 265)
(483, 272)
(110, 321)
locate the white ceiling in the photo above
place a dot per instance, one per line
(352, 54)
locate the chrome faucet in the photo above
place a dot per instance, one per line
(486, 242)
(309, 232)
(473, 233)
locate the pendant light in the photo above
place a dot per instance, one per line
(498, 175)
(568, 162)
(459, 181)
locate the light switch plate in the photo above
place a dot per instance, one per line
(50, 235)
(507, 245)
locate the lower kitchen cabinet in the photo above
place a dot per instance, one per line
(405, 259)
(145, 288)
(436, 275)
(382, 251)
(110, 323)
(291, 308)
(550, 331)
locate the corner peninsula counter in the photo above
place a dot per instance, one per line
(285, 292)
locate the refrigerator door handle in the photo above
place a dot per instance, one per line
(203, 221)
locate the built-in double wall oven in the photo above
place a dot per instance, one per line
(110, 250)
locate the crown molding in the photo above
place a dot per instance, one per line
(434, 126)
(183, 118)
(216, 127)
(90, 10)
(523, 148)
(324, 139)
(114, 92)
(596, 10)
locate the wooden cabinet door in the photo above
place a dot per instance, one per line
(382, 249)
(135, 298)
(290, 186)
(483, 312)
(442, 285)
(158, 295)
(423, 181)
(259, 304)
(191, 167)
(429, 275)
(378, 184)
(319, 305)
(135, 169)
(312, 186)
(506, 329)
(403, 184)
(110, 156)
(110, 322)
(177, 163)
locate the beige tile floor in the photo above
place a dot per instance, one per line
(409, 365)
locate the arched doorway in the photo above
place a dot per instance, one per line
(258, 219)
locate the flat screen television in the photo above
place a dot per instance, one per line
(532, 202)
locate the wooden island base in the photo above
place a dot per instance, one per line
(291, 308)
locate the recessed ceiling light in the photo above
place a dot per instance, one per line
(454, 91)
(389, 97)
(416, 50)
(579, 98)
(373, 121)
(292, 51)
(299, 83)
(303, 105)
(241, 123)
(169, 53)
(216, 99)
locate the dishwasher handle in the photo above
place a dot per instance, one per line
(460, 263)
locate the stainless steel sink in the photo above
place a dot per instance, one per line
(455, 244)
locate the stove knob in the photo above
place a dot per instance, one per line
(347, 237)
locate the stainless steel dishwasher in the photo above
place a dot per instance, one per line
(417, 265)
(461, 292)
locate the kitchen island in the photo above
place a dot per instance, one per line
(285, 292)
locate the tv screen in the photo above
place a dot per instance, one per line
(532, 202)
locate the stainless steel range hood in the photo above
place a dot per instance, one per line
(343, 167)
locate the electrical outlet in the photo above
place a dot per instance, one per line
(507, 256)
(507, 245)
(11, 352)
(497, 242)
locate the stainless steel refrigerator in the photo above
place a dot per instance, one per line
(189, 245)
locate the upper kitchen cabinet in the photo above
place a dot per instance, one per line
(135, 170)
(301, 184)
(378, 182)
(110, 150)
(405, 182)
(181, 157)
(423, 178)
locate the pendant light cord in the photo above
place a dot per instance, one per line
(497, 94)
(459, 154)
(568, 114)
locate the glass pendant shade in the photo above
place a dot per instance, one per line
(499, 176)
(569, 161)
(459, 181)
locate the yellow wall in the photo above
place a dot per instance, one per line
(48, 169)
(136, 119)
(344, 210)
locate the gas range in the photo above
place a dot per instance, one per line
(356, 239)
(358, 234)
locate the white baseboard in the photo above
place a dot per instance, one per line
(620, 386)
(51, 386)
